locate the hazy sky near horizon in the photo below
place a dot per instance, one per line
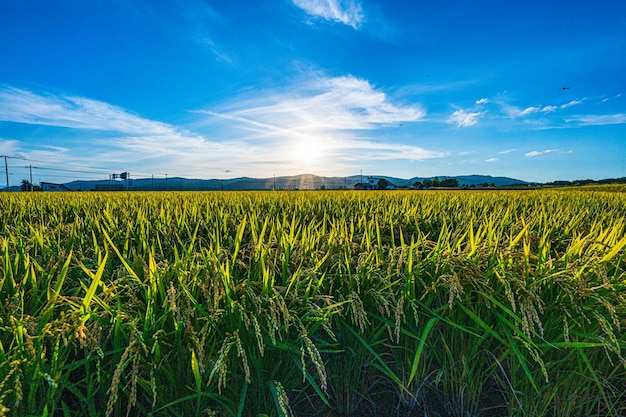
(534, 90)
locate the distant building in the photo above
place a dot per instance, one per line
(49, 186)
(364, 186)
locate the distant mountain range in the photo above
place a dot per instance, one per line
(296, 182)
(300, 182)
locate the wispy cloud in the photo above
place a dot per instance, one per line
(326, 112)
(464, 118)
(110, 132)
(348, 12)
(572, 103)
(470, 115)
(23, 106)
(504, 152)
(201, 21)
(46, 154)
(605, 99)
(492, 160)
(598, 120)
(8, 147)
(250, 134)
(515, 112)
(321, 104)
(219, 54)
(537, 153)
(529, 110)
(361, 150)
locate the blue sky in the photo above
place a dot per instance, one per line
(534, 90)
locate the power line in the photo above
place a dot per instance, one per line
(66, 170)
(56, 170)
(82, 174)
(76, 177)
(57, 163)
(86, 169)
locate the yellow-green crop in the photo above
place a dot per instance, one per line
(455, 303)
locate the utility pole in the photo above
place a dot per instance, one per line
(6, 168)
(166, 189)
(32, 187)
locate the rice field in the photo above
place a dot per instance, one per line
(438, 303)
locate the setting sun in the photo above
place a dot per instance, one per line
(307, 152)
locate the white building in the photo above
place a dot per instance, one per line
(49, 186)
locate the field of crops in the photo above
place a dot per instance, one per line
(457, 303)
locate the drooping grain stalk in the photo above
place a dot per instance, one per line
(466, 303)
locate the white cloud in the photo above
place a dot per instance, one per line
(492, 160)
(23, 106)
(201, 21)
(598, 120)
(529, 110)
(8, 146)
(359, 150)
(321, 104)
(537, 153)
(110, 134)
(46, 154)
(215, 50)
(504, 152)
(482, 101)
(463, 118)
(571, 103)
(515, 112)
(348, 12)
(251, 135)
(323, 112)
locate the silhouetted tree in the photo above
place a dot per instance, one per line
(382, 184)
(449, 183)
(26, 186)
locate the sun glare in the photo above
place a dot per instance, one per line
(307, 153)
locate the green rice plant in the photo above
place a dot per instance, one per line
(259, 303)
